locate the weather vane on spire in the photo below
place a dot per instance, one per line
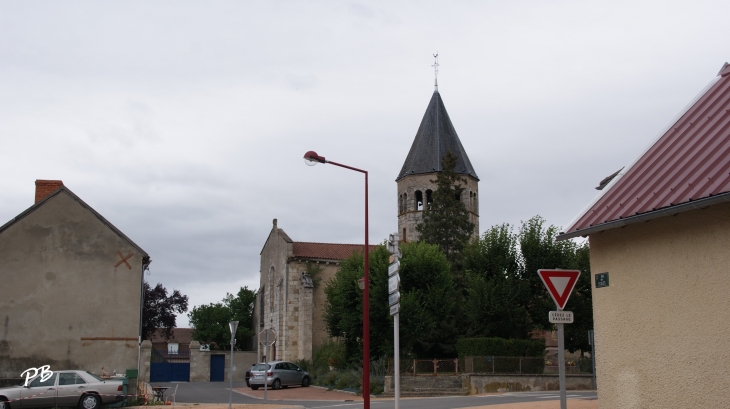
(436, 72)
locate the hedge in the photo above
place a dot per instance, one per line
(500, 347)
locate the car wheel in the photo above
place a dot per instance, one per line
(4, 404)
(276, 384)
(89, 402)
(254, 387)
(306, 381)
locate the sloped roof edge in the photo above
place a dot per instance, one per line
(655, 214)
(617, 178)
(66, 190)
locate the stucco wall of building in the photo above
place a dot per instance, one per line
(64, 303)
(408, 214)
(661, 326)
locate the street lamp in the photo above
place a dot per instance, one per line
(233, 325)
(311, 158)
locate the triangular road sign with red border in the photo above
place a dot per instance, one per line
(560, 284)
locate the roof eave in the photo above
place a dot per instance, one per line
(643, 217)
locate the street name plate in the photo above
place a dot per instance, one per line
(393, 268)
(394, 309)
(601, 280)
(561, 317)
(394, 298)
(393, 283)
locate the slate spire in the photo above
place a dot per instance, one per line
(434, 138)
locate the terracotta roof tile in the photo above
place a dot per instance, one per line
(326, 251)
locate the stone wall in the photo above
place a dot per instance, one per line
(478, 384)
(409, 216)
(200, 363)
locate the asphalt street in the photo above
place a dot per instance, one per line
(217, 392)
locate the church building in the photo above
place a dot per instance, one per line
(291, 301)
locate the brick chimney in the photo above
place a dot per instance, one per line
(43, 188)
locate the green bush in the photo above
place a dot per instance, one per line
(500, 347)
(332, 353)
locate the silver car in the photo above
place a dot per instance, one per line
(280, 374)
(80, 389)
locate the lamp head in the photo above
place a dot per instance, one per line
(311, 158)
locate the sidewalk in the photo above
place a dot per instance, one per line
(553, 404)
(312, 393)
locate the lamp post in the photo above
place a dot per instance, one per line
(233, 325)
(311, 158)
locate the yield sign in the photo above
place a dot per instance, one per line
(560, 284)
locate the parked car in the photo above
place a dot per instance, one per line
(248, 374)
(80, 389)
(278, 374)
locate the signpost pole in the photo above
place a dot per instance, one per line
(266, 365)
(396, 370)
(561, 366)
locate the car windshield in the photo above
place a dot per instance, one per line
(94, 376)
(260, 367)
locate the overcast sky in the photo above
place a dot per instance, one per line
(184, 123)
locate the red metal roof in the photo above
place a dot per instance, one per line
(690, 161)
(326, 251)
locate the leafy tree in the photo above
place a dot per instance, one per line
(427, 304)
(540, 250)
(446, 221)
(503, 292)
(495, 291)
(343, 307)
(210, 322)
(159, 310)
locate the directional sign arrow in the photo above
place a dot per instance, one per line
(394, 298)
(560, 284)
(393, 268)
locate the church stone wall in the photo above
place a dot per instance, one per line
(408, 214)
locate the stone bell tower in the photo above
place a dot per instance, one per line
(434, 138)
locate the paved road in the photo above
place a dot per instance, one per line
(217, 392)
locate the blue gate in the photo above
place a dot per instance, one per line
(217, 368)
(170, 367)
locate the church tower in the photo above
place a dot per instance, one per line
(434, 138)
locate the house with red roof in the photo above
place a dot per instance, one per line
(289, 299)
(659, 235)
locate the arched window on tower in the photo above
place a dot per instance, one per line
(405, 202)
(400, 204)
(419, 200)
(471, 201)
(429, 199)
(403, 238)
(476, 203)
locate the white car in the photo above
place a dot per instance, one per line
(80, 389)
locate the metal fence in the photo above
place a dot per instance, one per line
(490, 365)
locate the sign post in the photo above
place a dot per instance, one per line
(394, 302)
(560, 284)
(268, 341)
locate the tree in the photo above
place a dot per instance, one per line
(446, 221)
(495, 290)
(540, 250)
(503, 292)
(159, 310)
(210, 322)
(427, 304)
